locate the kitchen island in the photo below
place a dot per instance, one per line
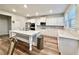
(23, 34)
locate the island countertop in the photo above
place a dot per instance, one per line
(30, 32)
(68, 34)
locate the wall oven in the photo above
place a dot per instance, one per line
(30, 26)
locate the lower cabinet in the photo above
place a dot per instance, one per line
(68, 46)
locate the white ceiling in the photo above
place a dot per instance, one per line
(42, 9)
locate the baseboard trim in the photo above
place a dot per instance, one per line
(4, 35)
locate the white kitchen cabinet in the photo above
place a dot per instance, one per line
(37, 21)
(41, 19)
(31, 20)
(50, 21)
(55, 21)
(68, 46)
(68, 43)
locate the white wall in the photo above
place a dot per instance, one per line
(19, 20)
(77, 18)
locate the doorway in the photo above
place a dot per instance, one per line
(5, 24)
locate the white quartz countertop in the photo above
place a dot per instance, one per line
(30, 32)
(68, 34)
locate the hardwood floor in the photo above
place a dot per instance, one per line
(50, 47)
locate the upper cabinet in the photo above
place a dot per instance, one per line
(39, 20)
(31, 20)
(48, 20)
(55, 21)
(51, 21)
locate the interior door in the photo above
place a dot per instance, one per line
(3, 26)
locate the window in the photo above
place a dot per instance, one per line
(70, 17)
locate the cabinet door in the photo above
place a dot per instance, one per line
(31, 21)
(37, 21)
(68, 46)
(50, 21)
(55, 21)
(60, 21)
(41, 19)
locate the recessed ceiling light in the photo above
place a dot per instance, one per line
(13, 10)
(25, 6)
(37, 13)
(28, 15)
(51, 11)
